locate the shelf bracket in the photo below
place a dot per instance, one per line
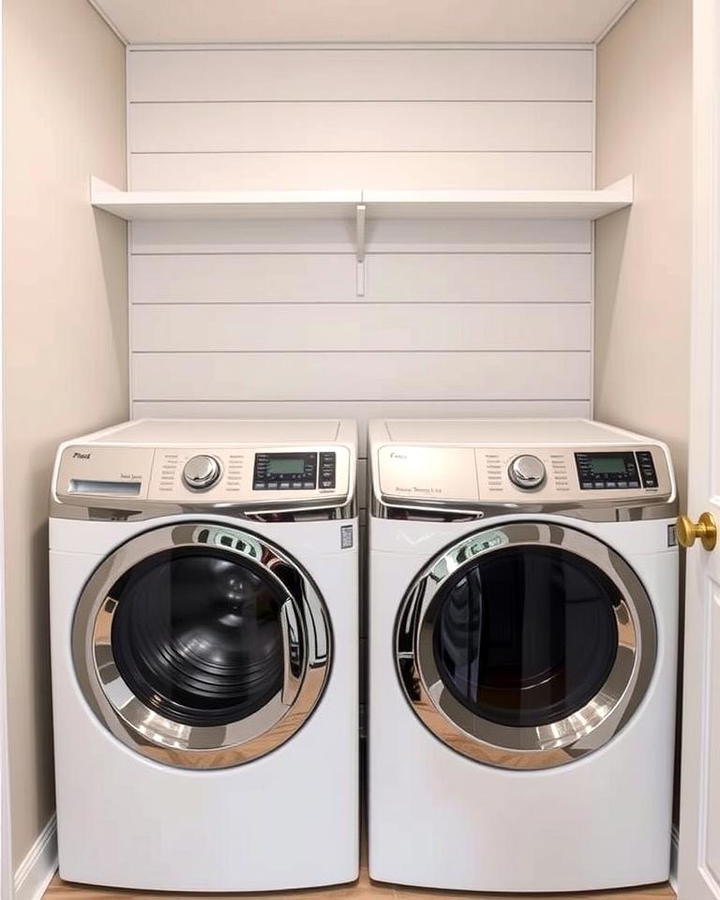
(360, 249)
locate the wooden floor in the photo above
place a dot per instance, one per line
(363, 889)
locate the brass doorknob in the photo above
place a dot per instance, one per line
(705, 529)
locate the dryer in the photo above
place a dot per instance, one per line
(204, 630)
(522, 665)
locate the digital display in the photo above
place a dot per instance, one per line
(286, 465)
(606, 465)
(607, 471)
(286, 472)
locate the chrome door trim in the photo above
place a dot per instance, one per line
(589, 511)
(306, 642)
(292, 648)
(112, 509)
(527, 747)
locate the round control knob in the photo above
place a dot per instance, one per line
(527, 472)
(201, 472)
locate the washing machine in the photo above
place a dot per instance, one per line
(522, 662)
(204, 630)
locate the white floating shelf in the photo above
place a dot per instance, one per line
(154, 205)
(565, 204)
(499, 204)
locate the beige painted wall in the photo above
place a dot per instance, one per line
(65, 333)
(642, 316)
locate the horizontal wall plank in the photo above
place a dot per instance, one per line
(360, 410)
(383, 236)
(320, 74)
(376, 171)
(360, 376)
(327, 278)
(263, 318)
(223, 127)
(361, 327)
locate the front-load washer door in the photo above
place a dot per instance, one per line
(201, 645)
(526, 645)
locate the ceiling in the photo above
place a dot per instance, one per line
(230, 21)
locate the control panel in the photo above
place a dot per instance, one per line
(608, 471)
(647, 469)
(502, 474)
(285, 472)
(235, 475)
(295, 471)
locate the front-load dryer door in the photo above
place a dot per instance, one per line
(526, 645)
(201, 645)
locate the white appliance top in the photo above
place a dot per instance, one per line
(143, 432)
(540, 463)
(504, 431)
(252, 464)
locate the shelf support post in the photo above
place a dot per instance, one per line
(360, 249)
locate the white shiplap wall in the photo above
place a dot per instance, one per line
(458, 317)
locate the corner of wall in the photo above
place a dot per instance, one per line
(643, 269)
(36, 870)
(64, 303)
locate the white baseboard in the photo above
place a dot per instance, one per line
(35, 872)
(674, 845)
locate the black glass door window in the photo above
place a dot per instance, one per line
(197, 635)
(526, 635)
